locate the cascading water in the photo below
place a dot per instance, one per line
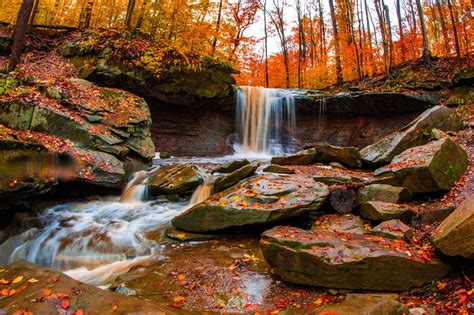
(266, 121)
(136, 189)
(203, 191)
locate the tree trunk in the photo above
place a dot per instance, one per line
(128, 16)
(19, 37)
(400, 30)
(455, 32)
(86, 14)
(339, 78)
(443, 27)
(379, 7)
(33, 15)
(389, 34)
(426, 50)
(141, 15)
(413, 15)
(267, 80)
(218, 26)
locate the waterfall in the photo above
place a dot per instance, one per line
(265, 121)
(136, 189)
(203, 191)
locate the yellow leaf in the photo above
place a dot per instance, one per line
(181, 235)
(17, 279)
(33, 280)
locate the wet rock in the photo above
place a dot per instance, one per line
(342, 199)
(429, 168)
(454, 236)
(175, 179)
(183, 236)
(304, 157)
(337, 165)
(340, 223)
(327, 153)
(88, 298)
(367, 304)
(231, 166)
(273, 168)
(258, 200)
(383, 211)
(393, 229)
(387, 193)
(414, 134)
(233, 178)
(165, 155)
(350, 261)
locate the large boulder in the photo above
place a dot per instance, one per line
(351, 261)
(327, 153)
(454, 237)
(428, 168)
(380, 192)
(258, 200)
(417, 133)
(304, 157)
(45, 291)
(175, 179)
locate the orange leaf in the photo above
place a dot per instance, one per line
(33, 280)
(181, 277)
(3, 281)
(114, 306)
(64, 303)
(179, 299)
(46, 292)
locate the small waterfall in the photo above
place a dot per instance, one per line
(322, 113)
(266, 121)
(136, 189)
(203, 191)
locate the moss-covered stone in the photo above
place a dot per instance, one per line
(383, 211)
(278, 169)
(454, 237)
(326, 153)
(233, 178)
(351, 261)
(262, 199)
(386, 193)
(304, 157)
(340, 223)
(395, 229)
(416, 133)
(432, 167)
(175, 179)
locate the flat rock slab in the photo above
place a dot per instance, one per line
(350, 261)
(428, 168)
(455, 235)
(273, 168)
(367, 304)
(183, 236)
(261, 199)
(175, 179)
(236, 176)
(43, 291)
(231, 166)
(383, 211)
(341, 223)
(414, 134)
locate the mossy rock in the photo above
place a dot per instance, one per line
(304, 157)
(175, 179)
(327, 153)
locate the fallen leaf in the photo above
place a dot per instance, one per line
(114, 306)
(46, 292)
(3, 281)
(181, 277)
(179, 299)
(33, 280)
(17, 279)
(64, 303)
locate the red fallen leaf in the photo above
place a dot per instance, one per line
(64, 303)
(114, 306)
(46, 292)
(250, 307)
(54, 279)
(79, 312)
(462, 299)
(282, 304)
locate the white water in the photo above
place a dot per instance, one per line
(136, 189)
(266, 121)
(95, 241)
(202, 192)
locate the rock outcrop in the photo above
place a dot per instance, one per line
(351, 261)
(326, 153)
(386, 193)
(304, 157)
(175, 179)
(428, 168)
(262, 199)
(454, 237)
(417, 133)
(383, 211)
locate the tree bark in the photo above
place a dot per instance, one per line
(400, 30)
(141, 15)
(129, 15)
(218, 26)
(337, 56)
(19, 37)
(426, 50)
(379, 7)
(443, 27)
(455, 32)
(389, 34)
(86, 14)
